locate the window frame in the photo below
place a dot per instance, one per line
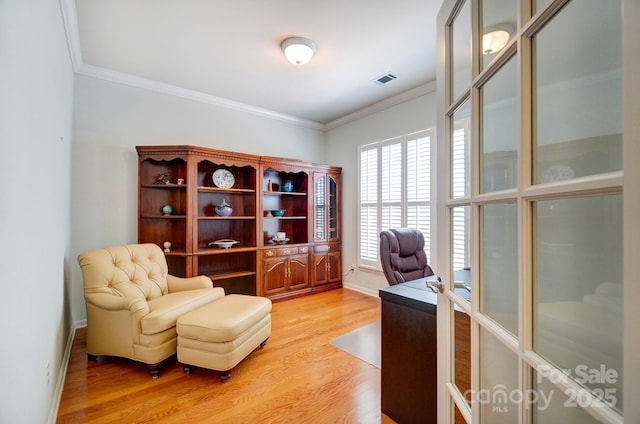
(379, 204)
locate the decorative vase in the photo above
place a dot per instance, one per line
(224, 209)
(167, 209)
(287, 186)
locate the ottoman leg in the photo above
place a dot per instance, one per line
(264, 343)
(226, 375)
(186, 369)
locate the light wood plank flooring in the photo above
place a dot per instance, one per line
(298, 377)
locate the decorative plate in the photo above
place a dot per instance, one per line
(223, 178)
(224, 243)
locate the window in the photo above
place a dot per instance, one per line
(395, 191)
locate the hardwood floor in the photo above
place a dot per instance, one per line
(298, 377)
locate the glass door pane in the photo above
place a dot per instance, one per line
(499, 394)
(500, 138)
(578, 290)
(333, 208)
(554, 406)
(320, 209)
(499, 19)
(461, 151)
(462, 354)
(461, 51)
(461, 251)
(499, 264)
(578, 92)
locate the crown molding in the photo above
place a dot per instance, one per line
(147, 84)
(405, 96)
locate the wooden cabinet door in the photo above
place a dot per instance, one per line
(320, 275)
(298, 271)
(335, 267)
(327, 267)
(274, 277)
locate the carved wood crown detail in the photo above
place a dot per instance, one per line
(227, 158)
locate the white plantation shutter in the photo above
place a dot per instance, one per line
(368, 205)
(460, 169)
(392, 172)
(459, 165)
(419, 186)
(395, 190)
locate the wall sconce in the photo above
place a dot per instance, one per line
(298, 50)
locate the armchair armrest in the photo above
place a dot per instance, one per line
(116, 303)
(176, 284)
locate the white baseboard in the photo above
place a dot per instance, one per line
(64, 366)
(370, 292)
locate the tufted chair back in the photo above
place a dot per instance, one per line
(137, 271)
(402, 255)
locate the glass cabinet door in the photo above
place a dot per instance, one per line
(320, 213)
(326, 225)
(333, 207)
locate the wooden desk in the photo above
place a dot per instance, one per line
(409, 363)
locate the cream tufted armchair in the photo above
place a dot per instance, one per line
(133, 303)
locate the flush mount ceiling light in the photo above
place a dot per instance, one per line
(298, 50)
(495, 38)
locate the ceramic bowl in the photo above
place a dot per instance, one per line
(224, 243)
(279, 241)
(277, 212)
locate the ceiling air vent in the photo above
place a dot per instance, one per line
(385, 78)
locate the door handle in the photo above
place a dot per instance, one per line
(436, 286)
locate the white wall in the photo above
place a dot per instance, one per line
(342, 150)
(36, 82)
(110, 119)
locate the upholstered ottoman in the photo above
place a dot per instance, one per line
(219, 335)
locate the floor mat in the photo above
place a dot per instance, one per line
(363, 343)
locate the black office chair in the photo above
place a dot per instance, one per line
(402, 255)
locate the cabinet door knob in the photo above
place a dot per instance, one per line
(269, 253)
(287, 251)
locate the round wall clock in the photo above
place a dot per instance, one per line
(223, 178)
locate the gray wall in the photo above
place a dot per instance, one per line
(36, 86)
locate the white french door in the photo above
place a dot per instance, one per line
(537, 208)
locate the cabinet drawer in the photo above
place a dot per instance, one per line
(325, 248)
(269, 253)
(286, 251)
